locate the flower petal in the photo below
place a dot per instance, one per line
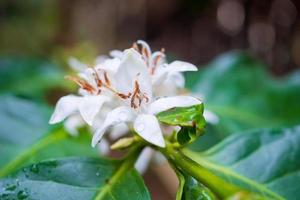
(163, 104)
(116, 54)
(180, 66)
(109, 65)
(65, 106)
(76, 65)
(211, 117)
(148, 128)
(144, 159)
(72, 123)
(118, 131)
(114, 117)
(90, 106)
(103, 147)
(133, 67)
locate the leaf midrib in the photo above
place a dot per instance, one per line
(227, 171)
(124, 167)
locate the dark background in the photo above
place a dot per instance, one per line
(193, 30)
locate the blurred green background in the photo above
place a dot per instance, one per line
(248, 53)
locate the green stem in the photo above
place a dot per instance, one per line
(217, 185)
(25, 155)
(125, 166)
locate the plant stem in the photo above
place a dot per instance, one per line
(125, 166)
(217, 185)
(25, 155)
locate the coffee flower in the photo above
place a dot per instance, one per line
(137, 105)
(167, 79)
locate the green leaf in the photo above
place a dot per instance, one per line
(189, 118)
(264, 161)
(29, 76)
(190, 188)
(75, 178)
(240, 91)
(245, 196)
(26, 136)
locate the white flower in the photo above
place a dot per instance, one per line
(165, 78)
(90, 101)
(133, 85)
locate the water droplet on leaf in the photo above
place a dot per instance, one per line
(22, 195)
(34, 168)
(11, 187)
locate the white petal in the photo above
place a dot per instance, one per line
(118, 131)
(109, 65)
(76, 65)
(177, 78)
(90, 106)
(116, 54)
(172, 71)
(73, 123)
(148, 128)
(160, 75)
(144, 159)
(103, 147)
(65, 106)
(163, 104)
(211, 117)
(100, 59)
(145, 45)
(114, 117)
(133, 68)
(158, 158)
(180, 66)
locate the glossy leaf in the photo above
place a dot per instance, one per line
(240, 91)
(29, 76)
(264, 161)
(189, 118)
(75, 178)
(26, 136)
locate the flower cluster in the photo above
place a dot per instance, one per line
(129, 87)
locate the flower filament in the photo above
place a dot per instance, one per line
(136, 97)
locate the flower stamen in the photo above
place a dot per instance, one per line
(82, 83)
(137, 96)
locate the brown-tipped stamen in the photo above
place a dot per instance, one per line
(82, 83)
(137, 96)
(107, 81)
(135, 46)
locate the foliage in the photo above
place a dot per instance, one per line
(240, 91)
(59, 179)
(26, 137)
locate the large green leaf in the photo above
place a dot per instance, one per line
(28, 76)
(240, 91)
(75, 178)
(264, 161)
(26, 136)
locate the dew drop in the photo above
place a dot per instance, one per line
(22, 195)
(34, 168)
(5, 195)
(11, 187)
